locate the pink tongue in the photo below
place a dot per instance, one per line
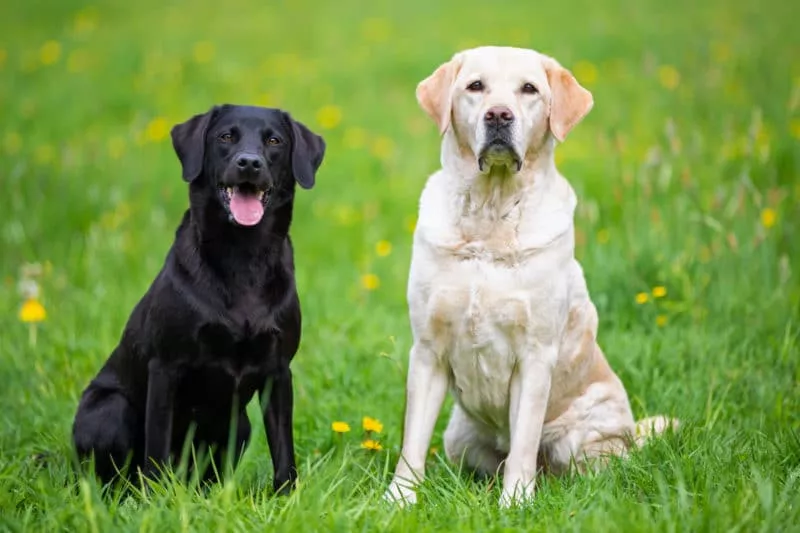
(246, 209)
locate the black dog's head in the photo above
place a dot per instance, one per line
(247, 157)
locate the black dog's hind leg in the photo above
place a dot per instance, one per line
(107, 428)
(278, 425)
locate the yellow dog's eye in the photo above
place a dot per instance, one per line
(226, 137)
(273, 141)
(475, 86)
(529, 88)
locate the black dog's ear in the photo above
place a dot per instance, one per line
(308, 149)
(189, 142)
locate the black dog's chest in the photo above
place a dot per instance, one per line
(241, 359)
(230, 361)
(239, 345)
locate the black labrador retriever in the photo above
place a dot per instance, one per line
(222, 318)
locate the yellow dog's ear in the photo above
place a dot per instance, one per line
(435, 93)
(569, 102)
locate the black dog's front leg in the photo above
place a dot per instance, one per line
(158, 416)
(278, 425)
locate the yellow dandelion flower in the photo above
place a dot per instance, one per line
(370, 444)
(434, 450)
(668, 76)
(642, 298)
(203, 52)
(370, 282)
(157, 129)
(340, 427)
(768, 217)
(794, 126)
(382, 148)
(585, 72)
(372, 424)
(32, 311)
(50, 52)
(12, 142)
(603, 236)
(661, 321)
(329, 116)
(383, 248)
(659, 291)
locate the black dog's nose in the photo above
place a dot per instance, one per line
(250, 163)
(499, 116)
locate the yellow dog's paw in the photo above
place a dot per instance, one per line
(400, 493)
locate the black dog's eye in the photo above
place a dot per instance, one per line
(273, 141)
(226, 137)
(529, 88)
(475, 86)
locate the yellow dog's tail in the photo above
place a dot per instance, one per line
(653, 426)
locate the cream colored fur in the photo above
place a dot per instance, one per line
(499, 307)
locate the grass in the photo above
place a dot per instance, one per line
(687, 174)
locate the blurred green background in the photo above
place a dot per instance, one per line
(687, 177)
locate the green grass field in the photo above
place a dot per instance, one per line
(687, 174)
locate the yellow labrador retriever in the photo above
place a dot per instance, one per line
(499, 306)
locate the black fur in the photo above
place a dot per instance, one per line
(221, 321)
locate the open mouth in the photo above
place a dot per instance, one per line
(244, 203)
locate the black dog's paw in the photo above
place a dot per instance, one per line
(284, 487)
(154, 473)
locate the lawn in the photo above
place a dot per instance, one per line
(687, 177)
